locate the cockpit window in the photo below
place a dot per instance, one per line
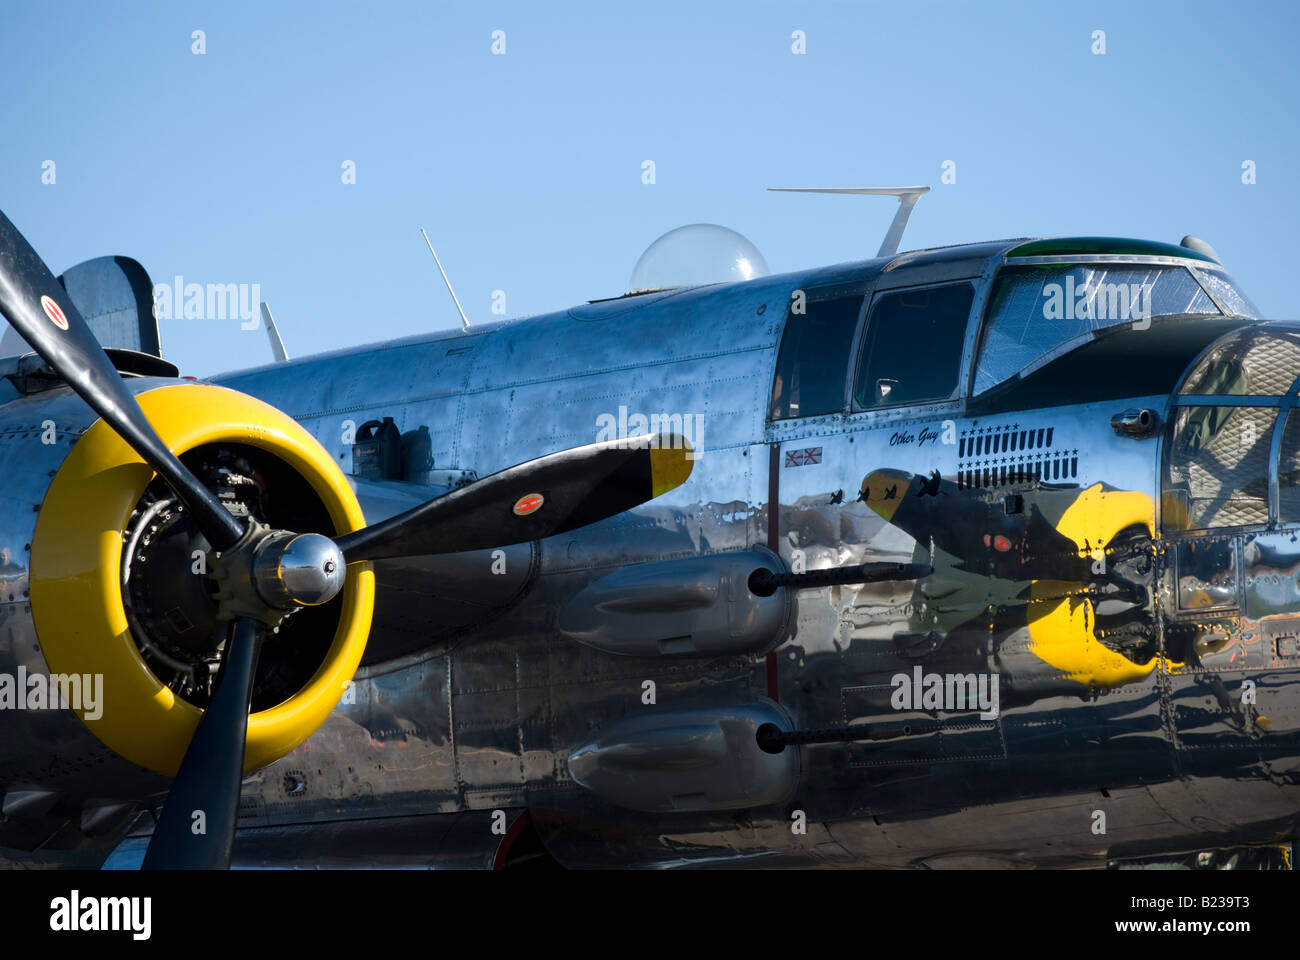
(813, 361)
(1037, 311)
(913, 346)
(1224, 289)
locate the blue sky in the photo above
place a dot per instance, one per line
(526, 168)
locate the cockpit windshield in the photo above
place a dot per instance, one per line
(1225, 291)
(1039, 311)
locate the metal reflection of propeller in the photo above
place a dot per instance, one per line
(267, 573)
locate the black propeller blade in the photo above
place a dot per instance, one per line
(552, 494)
(543, 497)
(40, 309)
(196, 830)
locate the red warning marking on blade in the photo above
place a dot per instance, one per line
(528, 503)
(54, 313)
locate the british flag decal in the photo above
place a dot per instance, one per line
(801, 458)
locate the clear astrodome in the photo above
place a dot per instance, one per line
(694, 255)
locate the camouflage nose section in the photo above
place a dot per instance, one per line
(1053, 555)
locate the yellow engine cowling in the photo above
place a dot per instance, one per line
(76, 589)
(1064, 637)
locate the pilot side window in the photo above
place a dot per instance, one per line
(913, 346)
(813, 361)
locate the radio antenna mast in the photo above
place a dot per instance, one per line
(464, 320)
(907, 197)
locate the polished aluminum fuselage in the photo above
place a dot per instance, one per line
(473, 696)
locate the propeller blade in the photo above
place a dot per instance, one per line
(39, 308)
(540, 498)
(211, 771)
